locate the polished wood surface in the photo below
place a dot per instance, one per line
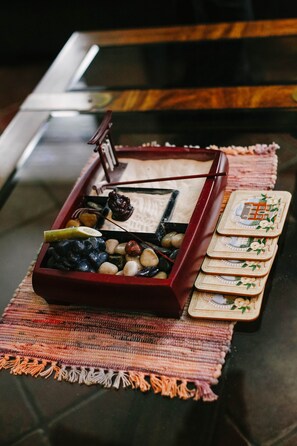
(233, 30)
(275, 96)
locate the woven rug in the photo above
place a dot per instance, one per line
(173, 357)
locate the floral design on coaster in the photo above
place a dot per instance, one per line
(245, 286)
(242, 248)
(247, 268)
(223, 306)
(255, 213)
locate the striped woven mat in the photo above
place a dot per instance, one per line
(173, 357)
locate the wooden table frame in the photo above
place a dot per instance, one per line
(51, 93)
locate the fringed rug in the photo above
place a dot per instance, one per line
(173, 357)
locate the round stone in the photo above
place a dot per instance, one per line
(149, 258)
(174, 253)
(111, 245)
(131, 268)
(120, 249)
(133, 248)
(148, 271)
(72, 223)
(129, 258)
(160, 275)
(177, 240)
(108, 268)
(88, 219)
(117, 260)
(166, 240)
(165, 265)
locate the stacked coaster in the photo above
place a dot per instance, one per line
(231, 282)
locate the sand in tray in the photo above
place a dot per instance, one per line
(148, 209)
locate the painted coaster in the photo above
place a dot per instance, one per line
(238, 285)
(225, 307)
(246, 268)
(255, 213)
(242, 248)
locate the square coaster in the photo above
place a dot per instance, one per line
(243, 286)
(246, 268)
(255, 213)
(225, 307)
(241, 248)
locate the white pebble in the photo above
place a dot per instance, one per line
(108, 268)
(131, 268)
(133, 259)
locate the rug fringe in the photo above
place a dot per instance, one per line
(164, 385)
(256, 149)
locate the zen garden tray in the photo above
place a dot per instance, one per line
(138, 198)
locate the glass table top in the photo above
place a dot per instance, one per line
(254, 61)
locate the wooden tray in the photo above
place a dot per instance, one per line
(165, 297)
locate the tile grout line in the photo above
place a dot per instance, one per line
(285, 434)
(73, 408)
(27, 435)
(83, 400)
(239, 431)
(27, 397)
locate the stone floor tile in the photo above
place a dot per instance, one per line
(35, 438)
(227, 434)
(16, 414)
(46, 394)
(261, 380)
(131, 418)
(290, 440)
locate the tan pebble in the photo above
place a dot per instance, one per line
(108, 268)
(133, 259)
(120, 273)
(88, 219)
(149, 257)
(177, 240)
(160, 275)
(166, 240)
(120, 249)
(111, 245)
(131, 268)
(72, 223)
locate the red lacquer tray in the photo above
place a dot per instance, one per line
(165, 297)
